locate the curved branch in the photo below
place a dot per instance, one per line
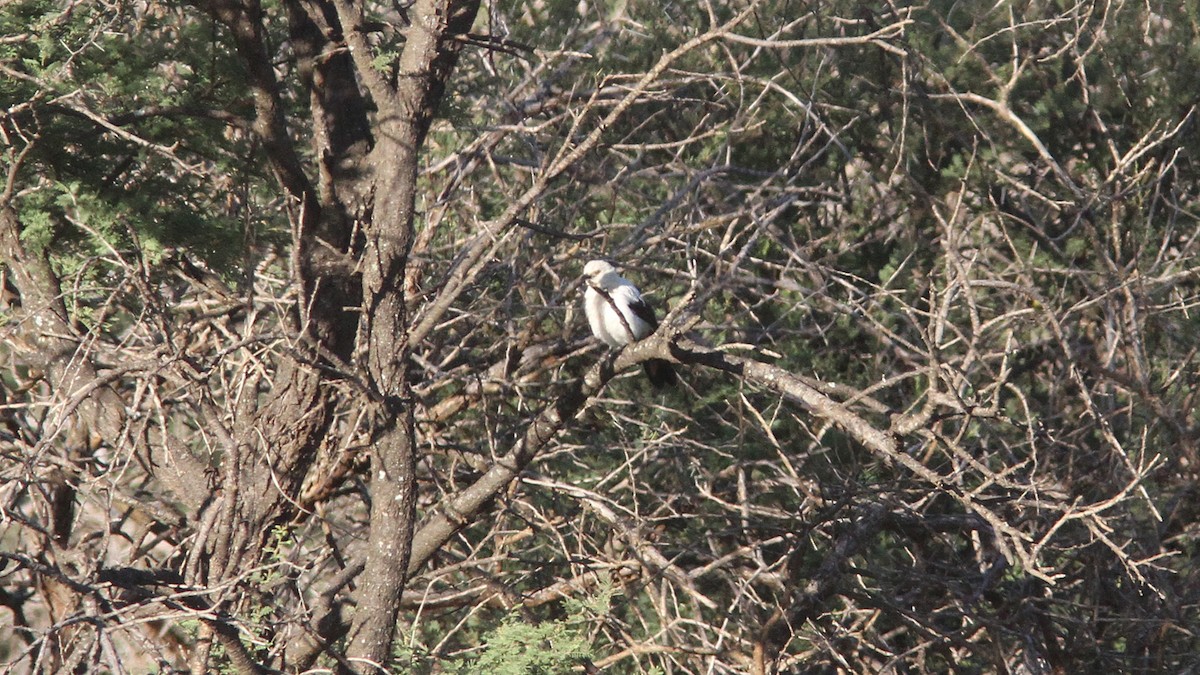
(492, 233)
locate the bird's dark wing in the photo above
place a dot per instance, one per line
(643, 311)
(661, 373)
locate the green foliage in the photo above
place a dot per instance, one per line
(520, 648)
(98, 189)
(519, 644)
(280, 541)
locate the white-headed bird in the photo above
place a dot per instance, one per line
(619, 315)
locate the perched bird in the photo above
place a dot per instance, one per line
(619, 315)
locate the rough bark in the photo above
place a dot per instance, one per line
(87, 409)
(270, 443)
(405, 110)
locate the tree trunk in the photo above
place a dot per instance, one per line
(405, 111)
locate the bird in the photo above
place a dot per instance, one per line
(619, 315)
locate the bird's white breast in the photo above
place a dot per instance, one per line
(605, 322)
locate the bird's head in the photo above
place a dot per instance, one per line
(595, 269)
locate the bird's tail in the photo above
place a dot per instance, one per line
(661, 372)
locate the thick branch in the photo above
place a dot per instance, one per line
(429, 55)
